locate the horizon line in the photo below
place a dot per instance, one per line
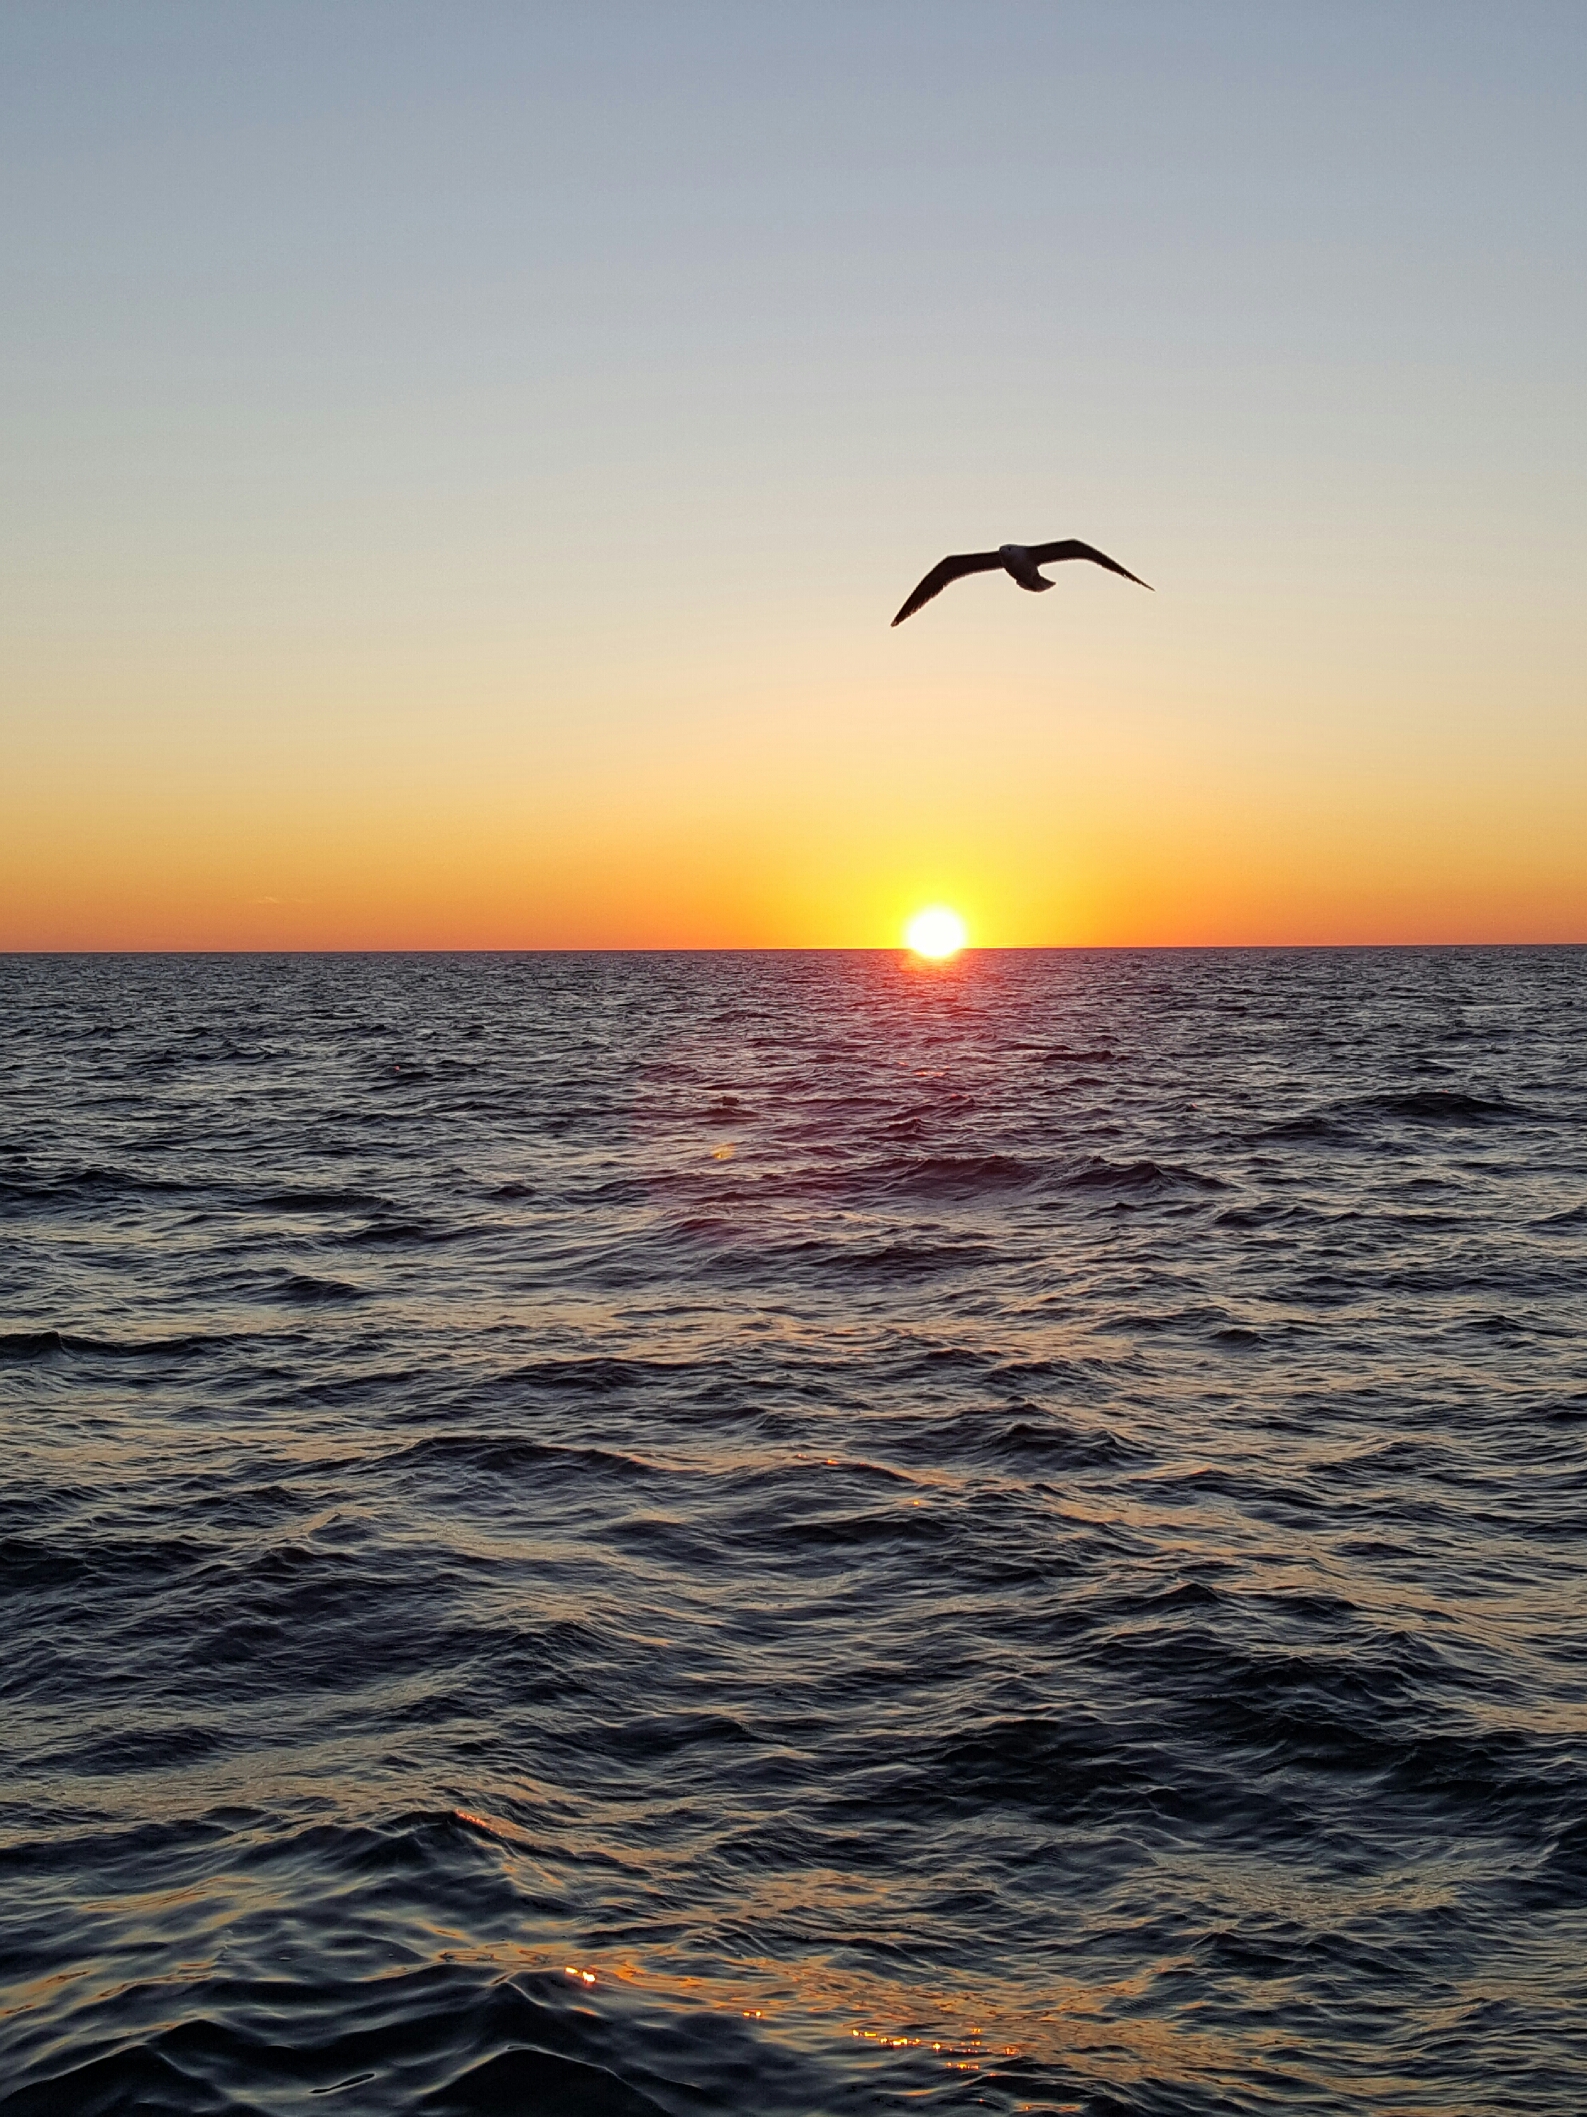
(1036, 948)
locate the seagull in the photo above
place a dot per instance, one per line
(1019, 560)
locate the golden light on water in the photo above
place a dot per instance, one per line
(1076, 2026)
(936, 933)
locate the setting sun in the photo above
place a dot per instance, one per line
(935, 933)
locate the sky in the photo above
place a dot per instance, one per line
(460, 463)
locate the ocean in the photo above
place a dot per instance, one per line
(794, 1533)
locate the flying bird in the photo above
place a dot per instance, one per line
(1018, 560)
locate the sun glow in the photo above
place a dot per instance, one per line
(936, 933)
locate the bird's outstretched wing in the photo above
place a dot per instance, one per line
(1072, 548)
(947, 570)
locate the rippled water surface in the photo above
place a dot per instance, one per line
(791, 1534)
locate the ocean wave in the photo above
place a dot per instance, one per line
(40, 1344)
(1448, 1106)
(304, 1289)
(309, 1198)
(956, 1176)
(30, 1344)
(1053, 1444)
(491, 1456)
(404, 1231)
(1099, 1174)
(1351, 1119)
(87, 1186)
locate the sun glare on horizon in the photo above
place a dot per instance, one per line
(937, 933)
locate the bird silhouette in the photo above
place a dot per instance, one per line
(1020, 561)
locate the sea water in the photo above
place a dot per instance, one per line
(792, 1533)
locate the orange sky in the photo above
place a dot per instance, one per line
(1044, 819)
(409, 547)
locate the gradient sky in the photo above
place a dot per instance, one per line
(461, 461)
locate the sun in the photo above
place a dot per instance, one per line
(937, 933)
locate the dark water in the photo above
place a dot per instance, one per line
(795, 1533)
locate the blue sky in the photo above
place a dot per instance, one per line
(411, 411)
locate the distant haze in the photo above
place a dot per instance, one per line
(461, 463)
